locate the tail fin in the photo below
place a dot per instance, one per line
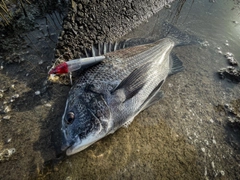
(181, 38)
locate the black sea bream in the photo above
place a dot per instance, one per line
(110, 94)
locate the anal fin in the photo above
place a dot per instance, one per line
(176, 65)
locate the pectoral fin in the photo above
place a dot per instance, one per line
(132, 84)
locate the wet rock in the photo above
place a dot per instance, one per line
(74, 6)
(232, 61)
(230, 73)
(232, 111)
(80, 7)
(85, 2)
(230, 57)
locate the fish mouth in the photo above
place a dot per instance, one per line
(80, 145)
(76, 148)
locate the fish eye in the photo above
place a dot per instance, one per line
(70, 117)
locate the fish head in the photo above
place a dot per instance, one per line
(84, 123)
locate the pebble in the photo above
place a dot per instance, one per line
(222, 172)
(80, 7)
(206, 141)
(205, 44)
(167, 6)
(8, 152)
(37, 93)
(6, 117)
(69, 178)
(203, 150)
(213, 165)
(9, 140)
(228, 54)
(7, 109)
(205, 171)
(48, 105)
(15, 96)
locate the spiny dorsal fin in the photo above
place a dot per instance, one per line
(103, 48)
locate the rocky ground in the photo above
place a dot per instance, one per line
(90, 22)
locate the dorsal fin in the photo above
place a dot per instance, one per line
(103, 48)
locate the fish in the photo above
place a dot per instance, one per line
(109, 95)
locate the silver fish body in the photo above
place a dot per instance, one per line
(109, 95)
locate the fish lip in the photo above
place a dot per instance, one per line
(82, 144)
(73, 149)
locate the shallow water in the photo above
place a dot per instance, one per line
(186, 135)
